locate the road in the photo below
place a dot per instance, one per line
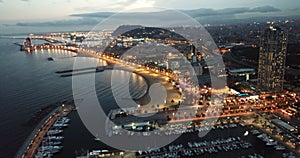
(35, 143)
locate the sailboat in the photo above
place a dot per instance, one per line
(97, 138)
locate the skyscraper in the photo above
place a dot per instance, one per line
(272, 55)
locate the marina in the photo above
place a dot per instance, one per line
(222, 139)
(51, 144)
(44, 143)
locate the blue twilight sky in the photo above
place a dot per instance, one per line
(50, 10)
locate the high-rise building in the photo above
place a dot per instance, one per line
(272, 56)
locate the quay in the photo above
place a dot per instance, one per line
(44, 46)
(36, 138)
(53, 44)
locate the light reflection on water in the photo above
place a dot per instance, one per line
(29, 82)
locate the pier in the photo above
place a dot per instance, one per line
(46, 46)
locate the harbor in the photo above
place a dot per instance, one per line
(43, 139)
(216, 146)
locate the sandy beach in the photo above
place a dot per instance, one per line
(149, 77)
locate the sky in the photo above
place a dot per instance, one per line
(51, 10)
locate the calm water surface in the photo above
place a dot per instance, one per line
(29, 82)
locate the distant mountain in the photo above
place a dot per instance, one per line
(125, 28)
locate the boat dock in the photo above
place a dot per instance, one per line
(35, 140)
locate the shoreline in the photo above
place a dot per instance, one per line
(145, 98)
(54, 114)
(22, 149)
(142, 100)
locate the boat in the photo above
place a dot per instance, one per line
(246, 133)
(54, 132)
(255, 132)
(52, 143)
(97, 139)
(49, 147)
(63, 120)
(279, 147)
(40, 154)
(270, 142)
(99, 69)
(60, 125)
(50, 150)
(262, 136)
(50, 59)
(55, 137)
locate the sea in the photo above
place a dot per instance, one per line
(29, 83)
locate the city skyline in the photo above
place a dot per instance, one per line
(245, 109)
(150, 78)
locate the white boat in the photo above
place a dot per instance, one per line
(52, 143)
(54, 132)
(63, 120)
(55, 137)
(279, 147)
(51, 149)
(41, 154)
(97, 139)
(255, 132)
(271, 142)
(60, 125)
(262, 136)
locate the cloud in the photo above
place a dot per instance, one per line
(265, 9)
(230, 11)
(212, 16)
(96, 14)
(197, 12)
(121, 3)
(25, 0)
(140, 4)
(117, 5)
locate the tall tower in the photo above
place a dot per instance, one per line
(272, 56)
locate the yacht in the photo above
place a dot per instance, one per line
(279, 147)
(54, 132)
(55, 137)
